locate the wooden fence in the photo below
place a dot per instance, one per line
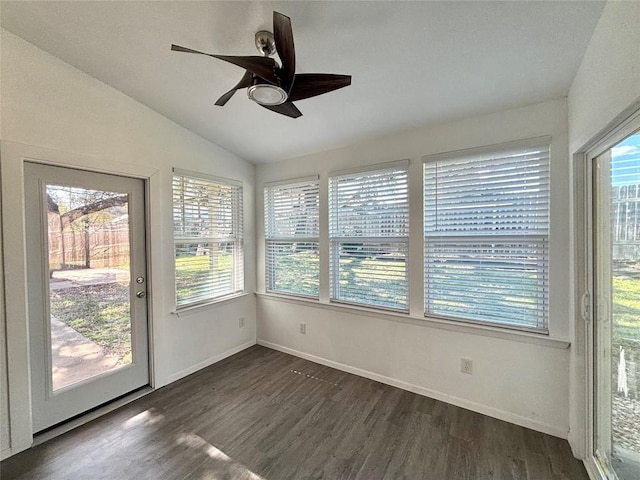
(625, 216)
(94, 246)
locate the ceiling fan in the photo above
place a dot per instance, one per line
(274, 86)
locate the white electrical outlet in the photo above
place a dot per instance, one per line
(241, 322)
(303, 328)
(466, 365)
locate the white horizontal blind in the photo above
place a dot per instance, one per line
(207, 219)
(291, 213)
(486, 221)
(369, 235)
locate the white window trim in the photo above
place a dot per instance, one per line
(426, 322)
(206, 176)
(490, 150)
(180, 310)
(195, 308)
(290, 182)
(334, 241)
(404, 163)
(496, 149)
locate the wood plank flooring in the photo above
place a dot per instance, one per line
(262, 414)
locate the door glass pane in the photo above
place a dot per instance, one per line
(89, 282)
(617, 329)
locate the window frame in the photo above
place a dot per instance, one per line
(236, 238)
(336, 240)
(541, 240)
(269, 239)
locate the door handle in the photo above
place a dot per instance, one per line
(141, 294)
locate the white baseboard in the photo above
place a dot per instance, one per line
(577, 444)
(5, 453)
(209, 361)
(427, 392)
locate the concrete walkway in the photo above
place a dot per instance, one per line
(75, 357)
(62, 279)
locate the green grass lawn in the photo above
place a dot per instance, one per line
(626, 309)
(100, 313)
(359, 277)
(626, 334)
(194, 270)
(297, 272)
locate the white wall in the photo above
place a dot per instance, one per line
(608, 80)
(4, 394)
(606, 89)
(519, 377)
(53, 111)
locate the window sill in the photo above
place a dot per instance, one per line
(431, 322)
(190, 310)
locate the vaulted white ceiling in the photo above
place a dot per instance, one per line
(413, 63)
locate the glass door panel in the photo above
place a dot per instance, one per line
(617, 309)
(89, 305)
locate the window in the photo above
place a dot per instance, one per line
(207, 220)
(291, 232)
(369, 236)
(486, 227)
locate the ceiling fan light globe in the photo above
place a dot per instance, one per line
(267, 94)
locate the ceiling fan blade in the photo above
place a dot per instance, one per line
(307, 85)
(244, 82)
(283, 36)
(264, 67)
(178, 48)
(287, 108)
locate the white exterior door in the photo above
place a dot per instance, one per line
(87, 281)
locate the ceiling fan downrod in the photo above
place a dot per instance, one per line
(265, 43)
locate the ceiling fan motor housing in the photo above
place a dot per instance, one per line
(265, 93)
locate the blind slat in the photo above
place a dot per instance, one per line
(369, 229)
(208, 239)
(291, 213)
(486, 221)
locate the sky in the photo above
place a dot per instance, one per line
(625, 161)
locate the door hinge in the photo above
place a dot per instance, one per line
(586, 306)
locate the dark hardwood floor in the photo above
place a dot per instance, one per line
(262, 414)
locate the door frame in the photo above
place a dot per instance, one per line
(51, 406)
(582, 419)
(12, 158)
